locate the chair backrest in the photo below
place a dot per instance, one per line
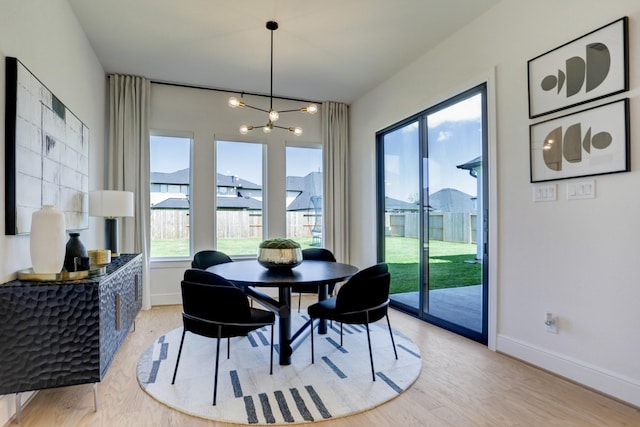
(318, 254)
(207, 258)
(217, 300)
(202, 276)
(366, 289)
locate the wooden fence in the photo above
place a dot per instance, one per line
(445, 226)
(174, 224)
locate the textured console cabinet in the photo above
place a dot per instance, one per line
(66, 333)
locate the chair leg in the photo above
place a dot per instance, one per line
(271, 371)
(391, 333)
(299, 300)
(215, 379)
(373, 372)
(228, 347)
(340, 334)
(175, 371)
(312, 350)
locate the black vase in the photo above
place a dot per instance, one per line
(75, 249)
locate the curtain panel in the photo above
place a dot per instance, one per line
(128, 162)
(335, 138)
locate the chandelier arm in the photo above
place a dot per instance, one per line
(289, 111)
(256, 108)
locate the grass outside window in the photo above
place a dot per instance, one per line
(448, 261)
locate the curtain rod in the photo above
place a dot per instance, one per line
(230, 91)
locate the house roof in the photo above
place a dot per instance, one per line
(181, 177)
(172, 203)
(451, 200)
(222, 202)
(309, 186)
(471, 164)
(391, 204)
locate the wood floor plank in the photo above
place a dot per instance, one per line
(462, 383)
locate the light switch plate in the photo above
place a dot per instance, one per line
(545, 193)
(581, 190)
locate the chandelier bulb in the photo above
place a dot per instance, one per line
(273, 115)
(311, 109)
(244, 129)
(267, 128)
(235, 102)
(296, 130)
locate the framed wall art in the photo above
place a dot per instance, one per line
(585, 69)
(46, 154)
(590, 142)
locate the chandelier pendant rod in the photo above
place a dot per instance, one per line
(272, 26)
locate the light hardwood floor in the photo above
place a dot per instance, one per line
(462, 384)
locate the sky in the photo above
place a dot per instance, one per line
(170, 154)
(454, 138)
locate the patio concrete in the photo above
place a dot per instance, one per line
(462, 305)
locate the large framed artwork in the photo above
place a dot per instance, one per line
(46, 154)
(590, 142)
(585, 69)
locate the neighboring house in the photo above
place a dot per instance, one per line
(171, 191)
(395, 205)
(242, 202)
(452, 200)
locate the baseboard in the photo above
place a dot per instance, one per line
(594, 377)
(166, 299)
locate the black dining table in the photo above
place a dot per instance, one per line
(250, 274)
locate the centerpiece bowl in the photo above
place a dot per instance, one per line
(279, 253)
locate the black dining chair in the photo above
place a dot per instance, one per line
(363, 299)
(207, 258)
(315, 254)
(213, 307)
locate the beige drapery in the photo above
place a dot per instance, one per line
(335, 138)
(128, 162)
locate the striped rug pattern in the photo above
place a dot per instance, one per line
(337, 385)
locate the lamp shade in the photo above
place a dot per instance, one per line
(110, 203)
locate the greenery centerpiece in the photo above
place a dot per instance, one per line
(279, 253)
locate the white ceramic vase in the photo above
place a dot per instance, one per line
(48, 240)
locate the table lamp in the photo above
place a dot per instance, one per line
(111, 204)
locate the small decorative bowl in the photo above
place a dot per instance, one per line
(279, 254)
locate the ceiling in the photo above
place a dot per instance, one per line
(324, 50)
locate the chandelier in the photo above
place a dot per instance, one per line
(273, 115)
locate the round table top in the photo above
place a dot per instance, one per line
(308, 272)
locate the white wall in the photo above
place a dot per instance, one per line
(578, 259)
(45, 36)
(204, 115)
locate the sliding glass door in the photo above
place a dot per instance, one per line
(432, 218)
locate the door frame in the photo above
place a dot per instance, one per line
(490, 203)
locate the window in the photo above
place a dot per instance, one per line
(169, 195)
(304, 195)
(239, 201)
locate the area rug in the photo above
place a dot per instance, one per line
(337, 385)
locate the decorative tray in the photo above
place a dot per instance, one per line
(63, 276)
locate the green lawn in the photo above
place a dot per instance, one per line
(447, 266)
(180, 247)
